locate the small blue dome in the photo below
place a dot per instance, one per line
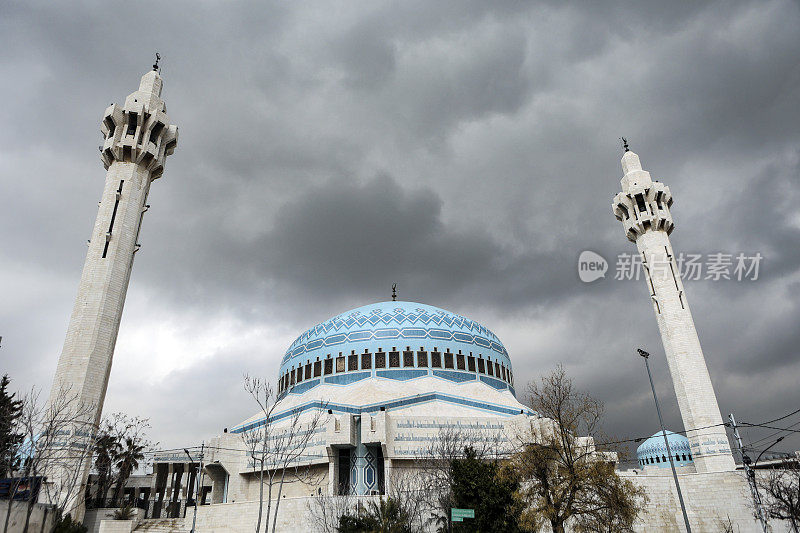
(653, 451)
(394, 324)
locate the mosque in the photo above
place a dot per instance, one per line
(369, 390)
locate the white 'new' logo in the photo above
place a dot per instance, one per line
(591, 266)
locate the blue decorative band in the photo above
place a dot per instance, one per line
(388, 406)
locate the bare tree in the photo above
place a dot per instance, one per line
(781, 486)
(58, 445)
(726, 525)
(279, 448)
(326, 511)
(564, 477)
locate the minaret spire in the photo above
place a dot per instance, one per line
(138, 137)
(643, 207)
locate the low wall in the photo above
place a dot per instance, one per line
(711, 499)
(41, 517)
(116, 526)
(94, 517)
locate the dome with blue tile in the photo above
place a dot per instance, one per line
(395, 340)
(399, 324)
(653, 451)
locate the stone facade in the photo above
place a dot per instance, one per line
(138, 138)
(643, 207)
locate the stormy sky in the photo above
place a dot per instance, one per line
(466, 150)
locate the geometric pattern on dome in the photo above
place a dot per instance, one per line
(339, 329)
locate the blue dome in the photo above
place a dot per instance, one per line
(653, 451)
(388, 326)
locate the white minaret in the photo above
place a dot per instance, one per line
(643, 208)
(138, 138)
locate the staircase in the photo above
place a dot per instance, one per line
(162, 525)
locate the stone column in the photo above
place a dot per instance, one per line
(643, 207)
(137, 139)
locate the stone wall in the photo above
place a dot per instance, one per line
(710, 498)
(41, 518)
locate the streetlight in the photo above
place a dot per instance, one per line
(666, 441)
(765, 449)
(196, 484)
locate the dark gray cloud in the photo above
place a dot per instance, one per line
(466, 150)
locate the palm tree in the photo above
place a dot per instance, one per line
(106, 450)
(127, 461)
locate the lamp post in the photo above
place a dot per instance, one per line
(765, 449)
(666, 441)
(196, 484)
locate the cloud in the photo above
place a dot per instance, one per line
(466, 150)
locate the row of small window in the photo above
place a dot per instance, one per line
(663, 459)
(410, 359)
(132, 123)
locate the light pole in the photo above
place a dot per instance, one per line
(765, 449)
(666, 441)
(751, 476)
(196, 483)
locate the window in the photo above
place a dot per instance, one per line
(111, 126)
(663, 459)
(658, 460)
(489, 368)
(113, 216)
(505, 376)
(640, 203)
(460, 362)
(352, 362)
(155, 132)
(132, 120)
(328, 366)
(308, 370)
(299, 373)
(317, 368)
(481, 365)
(394, 359)
(366, 361)
(448, 360)
(408, 358)
(497, 369)
(436, 359)
(340, 363)
(422, 358)
(471, 363)
(380, 359)
(683, 456)
(291, 380)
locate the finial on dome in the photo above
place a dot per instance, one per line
(155, 65)
(394, 292)
(625, 144)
